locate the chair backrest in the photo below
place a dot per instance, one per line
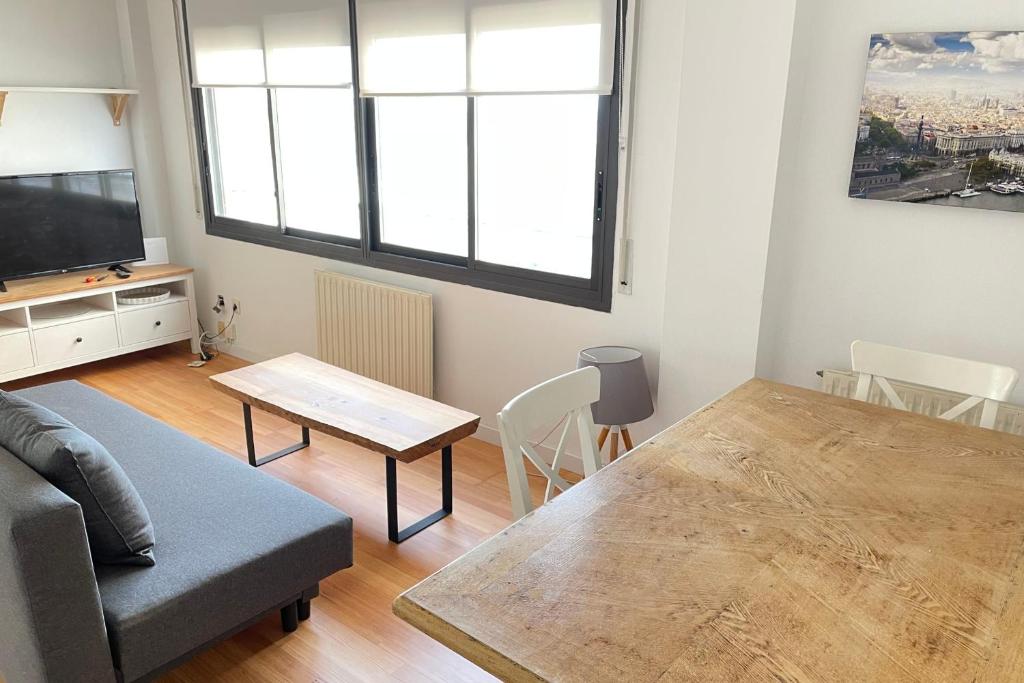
(982, 382)
(568, 397)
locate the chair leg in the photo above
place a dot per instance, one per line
(602, 437)
(614, 447)
(290, 617)
(303, 609)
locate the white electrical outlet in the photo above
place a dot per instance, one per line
(237, 307)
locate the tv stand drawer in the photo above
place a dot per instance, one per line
(154, 322)
(15, 352)
(64, 342)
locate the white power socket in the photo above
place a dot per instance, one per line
(229, 335)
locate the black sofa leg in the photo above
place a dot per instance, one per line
(290, 617)
(303, 607)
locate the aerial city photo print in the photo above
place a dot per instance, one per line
(942, 120)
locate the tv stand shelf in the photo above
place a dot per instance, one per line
(95, 326)
(10, 327)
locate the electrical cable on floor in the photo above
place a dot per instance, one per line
(207, 340)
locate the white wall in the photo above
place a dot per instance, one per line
(60, 43)
(489, 345)
(745, 115)
(745, 112)
(939, 279)
(735, 70)
(147, 138)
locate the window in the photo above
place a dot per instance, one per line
(542, 145)
(422, 174)
(241, 165)
(319, 172)
(475, 143)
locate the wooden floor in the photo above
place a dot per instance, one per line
(352, 635)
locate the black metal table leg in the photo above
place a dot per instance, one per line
(250, 443)
(394, 534)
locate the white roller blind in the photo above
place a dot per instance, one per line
(411, 46)
(479, 47)
(269, 43)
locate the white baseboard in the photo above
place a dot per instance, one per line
(243, 353)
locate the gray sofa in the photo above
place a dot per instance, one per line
(232, 545)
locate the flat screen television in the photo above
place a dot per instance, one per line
(62, 222)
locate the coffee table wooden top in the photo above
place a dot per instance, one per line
(348, 406)
(779, 534)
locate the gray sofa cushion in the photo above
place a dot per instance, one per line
(116, 520)
(234, 541)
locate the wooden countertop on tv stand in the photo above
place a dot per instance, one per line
(52, 285)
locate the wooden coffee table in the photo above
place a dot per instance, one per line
(315, 395)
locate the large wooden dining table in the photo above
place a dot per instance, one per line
(779, 534)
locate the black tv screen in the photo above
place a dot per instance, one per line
(68, 221)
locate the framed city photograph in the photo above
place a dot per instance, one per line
(942, 120)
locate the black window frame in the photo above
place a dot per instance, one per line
(593, 293)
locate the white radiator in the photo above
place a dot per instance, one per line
(378, 331)
(923, 400)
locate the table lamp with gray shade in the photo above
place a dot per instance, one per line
(625, 392)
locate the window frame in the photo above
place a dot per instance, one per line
(593, 293)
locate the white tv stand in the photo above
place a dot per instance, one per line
(100, 327)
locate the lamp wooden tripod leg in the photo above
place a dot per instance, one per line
(627, 440)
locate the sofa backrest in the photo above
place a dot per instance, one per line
(53, 628)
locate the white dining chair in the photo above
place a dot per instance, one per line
(568, 397)
(982, 382)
